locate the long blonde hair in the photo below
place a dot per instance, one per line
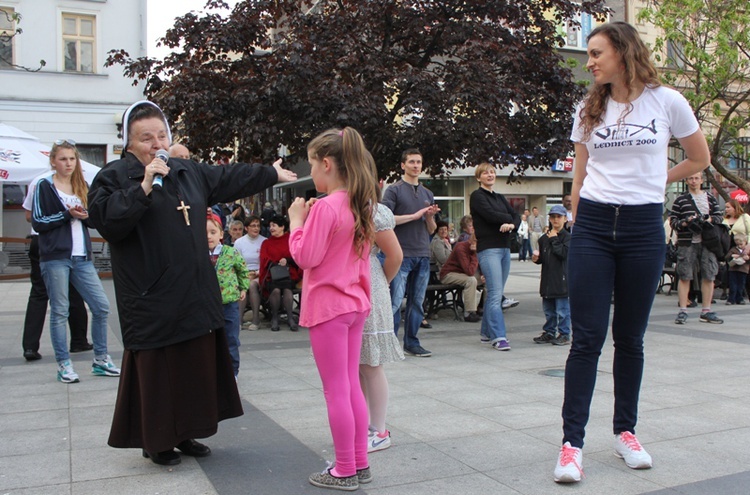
(356, 168)
(636, 58)
(80, 188)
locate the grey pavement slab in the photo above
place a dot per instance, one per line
(469, 420)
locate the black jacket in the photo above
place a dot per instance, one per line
(553, 256)
(489, 210)
(52, 219)
(166, 288)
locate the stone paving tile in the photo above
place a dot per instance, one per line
(469, 420)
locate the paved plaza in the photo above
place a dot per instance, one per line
(469, 420)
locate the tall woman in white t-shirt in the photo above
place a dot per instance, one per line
(621, 134)
(59, 215)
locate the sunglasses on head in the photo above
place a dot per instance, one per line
(65, 141)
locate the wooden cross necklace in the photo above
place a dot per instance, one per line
(184, 209)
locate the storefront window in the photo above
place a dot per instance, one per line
(449, 196)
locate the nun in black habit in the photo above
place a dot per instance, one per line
(177, 381)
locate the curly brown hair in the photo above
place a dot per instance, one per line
(636, 58)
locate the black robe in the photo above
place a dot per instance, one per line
(177, 380)
(166, 288)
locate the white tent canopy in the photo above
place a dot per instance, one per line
(23, 157)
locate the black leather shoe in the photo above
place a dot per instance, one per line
(425, 324)
(166, 458)
(30, 355)
(81, 348)
(472, 318)
(193, 448)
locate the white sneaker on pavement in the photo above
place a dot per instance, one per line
(628, 448)
(378, 441)
(569, 468)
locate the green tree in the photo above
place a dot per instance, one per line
(707, 47)
(464, 80)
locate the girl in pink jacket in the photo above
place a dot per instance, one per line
(330, 240)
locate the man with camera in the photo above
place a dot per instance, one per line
(689, 212)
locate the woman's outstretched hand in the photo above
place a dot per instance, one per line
(284, 174)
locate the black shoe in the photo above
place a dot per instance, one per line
(193, 448)
(166, 458)
(30, 355)
(293, 325)
(472, 318)
(417, 351)
(544, 338)
(425, 324)
(81, 348)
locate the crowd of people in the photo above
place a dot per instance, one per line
(355, 253)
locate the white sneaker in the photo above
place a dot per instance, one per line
(569, 467)
(378, 441)
(104, 367)
(66, 373)
(509, 302)
(628, 448)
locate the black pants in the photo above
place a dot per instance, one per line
(36, 309)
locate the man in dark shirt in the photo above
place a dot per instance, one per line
(412, 205)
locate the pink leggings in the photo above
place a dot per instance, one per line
(336, 346)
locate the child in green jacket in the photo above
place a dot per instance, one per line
(231, 271)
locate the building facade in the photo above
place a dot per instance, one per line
(73, 96)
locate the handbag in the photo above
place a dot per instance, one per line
(280, 277)
(279, 274)
(715, 238)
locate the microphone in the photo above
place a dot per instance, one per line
(163, 155)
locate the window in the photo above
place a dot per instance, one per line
(449, 196)
(79, 42)
(575, 35)
(7, 31)
(96, 154)
(675, 55)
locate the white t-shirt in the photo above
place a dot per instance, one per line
(250, 250)
(628, 160)
(76, 226)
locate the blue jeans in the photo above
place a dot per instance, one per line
(620, 251)
(411, 280)
(736, 286)
(232, 331)
(525, 249)
(557, 312)
(58, 274)
(495, 265)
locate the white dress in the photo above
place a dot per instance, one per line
(379, 342)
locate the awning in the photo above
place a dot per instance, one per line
(305, 181)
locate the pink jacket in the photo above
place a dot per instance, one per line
(336, 281)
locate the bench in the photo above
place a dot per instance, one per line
(441, 296)
(668, 279)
